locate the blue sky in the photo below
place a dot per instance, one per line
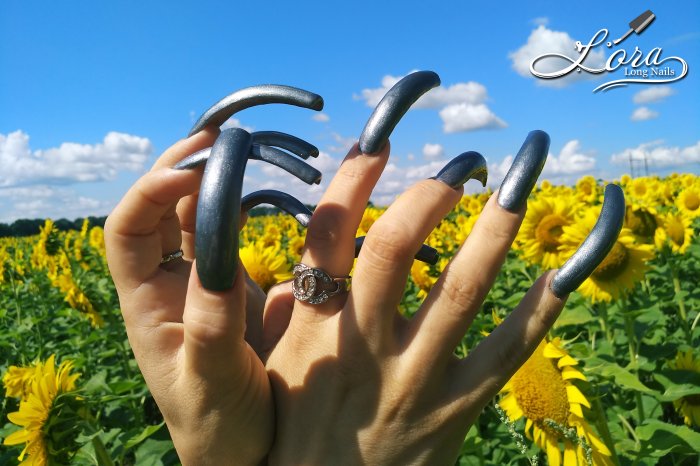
(92, 92)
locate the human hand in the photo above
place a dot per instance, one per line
(208, 381)
(354, 381)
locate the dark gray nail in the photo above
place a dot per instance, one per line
(284, 201)
(392, 107)
(522, 176)
(288, 162)
(467, 166)
(425, 253)
(221, 111)
(218, 210)
(286, 141)
(595, 247)
(191, 161)
(285, 161)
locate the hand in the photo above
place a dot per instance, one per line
(208, 380)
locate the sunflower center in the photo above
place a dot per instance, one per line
(692, 201)
(540, 392)
(549, 230)
(643, 223)
(614, 263)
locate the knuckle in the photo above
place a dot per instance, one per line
(463, 294)
(324, 229)
(387, 244)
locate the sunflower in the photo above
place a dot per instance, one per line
(621, 269)
(676, 231)
(587, 189)
(642, 222)
(688, 406)
(688, 202)
(541, 391)
(18, 380)
(265, 265)
(370, 215)
(34, 411)
(539, 238)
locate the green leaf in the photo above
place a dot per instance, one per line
(660, 438)
(678, 383)
(578, 315)
(620, 376)
(145, 433)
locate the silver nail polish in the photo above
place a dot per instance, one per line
(595, 247)
(522, 176)
(392, 108)
(466, 166)
(281, 200)
(425, 253)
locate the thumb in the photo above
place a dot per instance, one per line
(214, 323)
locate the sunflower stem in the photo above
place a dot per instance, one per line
(602, 424)
(630, 429)
(603, 306)
(632, 346)
(681, 305)
(103, 458)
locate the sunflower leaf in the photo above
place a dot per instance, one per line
(577, 315)
(620, 376)
(659, 439)
(678, 383)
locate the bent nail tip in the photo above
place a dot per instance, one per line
(595, 247)
(466, 166)
(393, 106)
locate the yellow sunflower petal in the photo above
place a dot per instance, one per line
(553, 453)
(575, 408)
(15, 438)
(575, 396)
(568, 373)
(553, 351)
(597, 444)
(566, 361)
(570, 454)
(510, 406)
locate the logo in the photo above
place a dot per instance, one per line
(638, 67)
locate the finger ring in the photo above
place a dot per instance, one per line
(171, 257)
(314, 286)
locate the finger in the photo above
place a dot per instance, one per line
(451, 305)
(493, 362)
(278, 313)
(387, 254)
(214, 323)
(133, 238)
(330, 237)
(186, 147)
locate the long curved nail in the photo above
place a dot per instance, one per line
(288, 162)
(285, 161)
(221, 111)
(218, 210)
(522, 176)
(466, 166)
(392, 108)
(425, 253)
(595, 247)
(286, 141)
(284, 201)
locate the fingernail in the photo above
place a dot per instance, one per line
(219, 208)
(286, 141)
(467, 166)
(194, 160)
(522, 176)
(284, 201)
(425, 253)
(595, 247)
(287, 162)
(221, 111)
(392, 108)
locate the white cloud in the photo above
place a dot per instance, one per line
(653, 94)
(460, 100)
(465, 117)
(433, 151)
(321, 117)
(656, 154)
(44, 201)
(236, 123)
(343, 144)
(540, 21)
(571, 160)
(546, 41)
(643, 113)
(70, 162)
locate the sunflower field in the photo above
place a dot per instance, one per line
(616, 381)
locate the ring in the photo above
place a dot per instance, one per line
(171, 257)
(314, 286)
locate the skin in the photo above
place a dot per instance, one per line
(353, 382)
